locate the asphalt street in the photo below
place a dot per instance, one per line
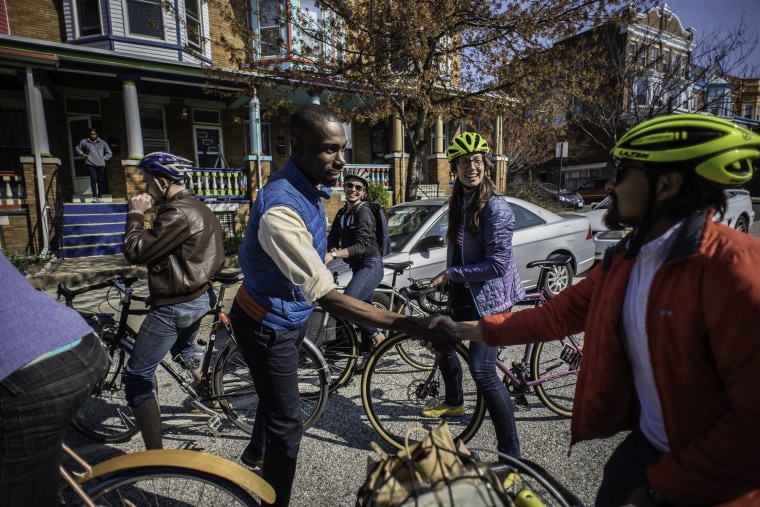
(333, 457)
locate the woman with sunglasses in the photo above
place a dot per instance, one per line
(352, 238)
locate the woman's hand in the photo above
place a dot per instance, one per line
(441, 323)
(440, 281)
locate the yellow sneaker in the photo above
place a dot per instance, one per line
(440, 409)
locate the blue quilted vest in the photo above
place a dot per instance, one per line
(264, 282)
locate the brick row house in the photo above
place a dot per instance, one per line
(652, 57)
(135, 71)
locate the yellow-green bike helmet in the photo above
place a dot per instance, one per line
(466, 142)
(721, 151)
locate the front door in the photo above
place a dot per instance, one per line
(78, 127)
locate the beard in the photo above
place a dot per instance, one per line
(612, 218)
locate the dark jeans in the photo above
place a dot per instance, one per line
(37, 404)
(482, 362)
(625, 471)
(272, 356)
(98, 180)
(362, 286)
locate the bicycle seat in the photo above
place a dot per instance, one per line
(228, 277)
(559, 260)
(398, 267)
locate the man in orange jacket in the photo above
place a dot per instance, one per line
(670, 317)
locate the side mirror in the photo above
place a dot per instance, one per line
(428, 243)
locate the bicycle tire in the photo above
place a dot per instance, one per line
(555, 365)
(169, 485)
(105, 416)
(390, 387)
(234, 389)
(339, 344)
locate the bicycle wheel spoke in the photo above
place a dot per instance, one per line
(338, 342)
(556, 364)
(105, 416)
(394, 392)
(169, 486)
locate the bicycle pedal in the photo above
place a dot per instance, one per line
(521, 400)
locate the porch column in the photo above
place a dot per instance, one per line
(438, 142)
(36, 115)
(254, 118)
(132, 114)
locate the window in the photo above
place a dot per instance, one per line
(643, 58)
(270, 29)
(641, 93)
(311, 21)
(145, 18)
(80, 105)
(634, 49)
(655, 56)
(153, 129)
(210, 116)
(193, 24)
(665, 62)
(749, 109)
(88, 17)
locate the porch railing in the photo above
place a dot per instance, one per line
(12, 190)
(378, 173)
(220, 184)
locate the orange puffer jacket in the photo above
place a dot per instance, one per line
(703, 315)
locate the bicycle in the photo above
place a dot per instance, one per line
(161, 477)
(338, 339)
(395, 388)
(105, 416)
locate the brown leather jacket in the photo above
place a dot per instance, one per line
(182, 250)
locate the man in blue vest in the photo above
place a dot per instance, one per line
(282, 258)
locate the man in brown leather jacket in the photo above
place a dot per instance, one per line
(182, 251)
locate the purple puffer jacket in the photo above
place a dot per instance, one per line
(489, 267)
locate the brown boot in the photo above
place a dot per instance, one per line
(148, 417)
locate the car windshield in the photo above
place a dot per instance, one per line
(603, 205)
(404, 221)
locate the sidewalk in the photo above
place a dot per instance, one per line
(79, 271)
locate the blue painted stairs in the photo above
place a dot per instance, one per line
(91, 229)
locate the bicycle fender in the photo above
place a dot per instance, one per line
(183, 458)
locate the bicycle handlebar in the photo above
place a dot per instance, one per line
(70, 294)
(421, 295)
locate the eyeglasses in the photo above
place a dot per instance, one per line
(353, 186)
(464, 163)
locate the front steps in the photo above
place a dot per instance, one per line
(93, 229)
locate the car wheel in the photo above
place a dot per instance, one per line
(741, 224)
(558, 278)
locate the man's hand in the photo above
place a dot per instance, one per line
(439, 338)
(141, 202)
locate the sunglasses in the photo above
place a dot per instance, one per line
(353, 186)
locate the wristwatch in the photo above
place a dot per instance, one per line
(334, 254)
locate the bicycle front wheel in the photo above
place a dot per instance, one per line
(168, 485)
(235, 391)
(338, 341)
(555, 365)
(394, 392)
(105, 416)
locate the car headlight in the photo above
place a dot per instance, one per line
(613, 235)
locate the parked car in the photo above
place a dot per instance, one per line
(567, 198)
(418, 234)
(739, 215)
(593, 191)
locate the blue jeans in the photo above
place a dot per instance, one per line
(482, 363)
(37, 404)
(170, 328)
(362, 286)
(272, 355)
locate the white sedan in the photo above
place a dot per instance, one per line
(739, 215)
(418, 234)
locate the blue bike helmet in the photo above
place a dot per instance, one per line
(169, 165)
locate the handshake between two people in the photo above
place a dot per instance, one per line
(443, 335)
